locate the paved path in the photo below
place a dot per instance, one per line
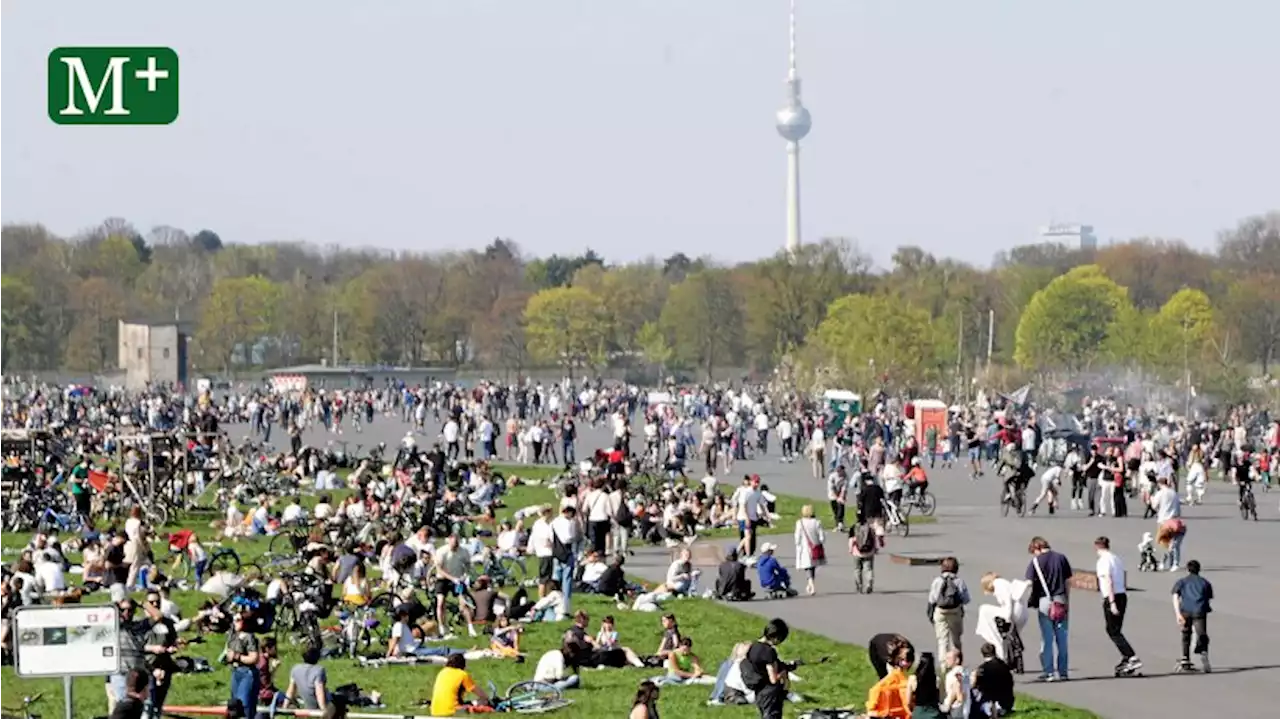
(1243, 628)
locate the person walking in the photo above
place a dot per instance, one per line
(1192, 596)
(948, 596)
(838, 494)
(863, 545)
(1111, 585)
(810, 550)
(1048, 573)
(1167, 506)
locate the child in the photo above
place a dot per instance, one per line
(1147, 562)
(506, 638)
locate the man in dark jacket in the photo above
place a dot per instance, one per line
(870, 499)
(992, 685)
(732, 584)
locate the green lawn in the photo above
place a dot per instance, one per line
(714, 627)
(606, 693)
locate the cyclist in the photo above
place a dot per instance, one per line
(916, 479)
(1242, 475)
(1012, 470)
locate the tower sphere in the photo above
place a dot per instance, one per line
(794, 122)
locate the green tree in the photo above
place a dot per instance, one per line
(98, 305)
(1252, 311)
(654, 346)
(566, 325)
(1180, 333)
(1077, 319)
(21, 323)
(703, 319)
(239, 313)
(874, 340)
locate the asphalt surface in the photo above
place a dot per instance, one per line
(1244, 627)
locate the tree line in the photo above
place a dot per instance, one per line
(827, 311)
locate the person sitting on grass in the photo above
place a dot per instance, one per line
(554, 670)
(545, 609)
(506, 638)
(307, 682)
(773, 576)
(892, 697)
(406, 640)
(732, 584)
(452, 685)
(992, 686)
(607, 639)
(684, 667)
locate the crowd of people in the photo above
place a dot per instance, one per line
(416, 534)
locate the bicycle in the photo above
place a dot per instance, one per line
(897, 519)
(1248, 504)
(921, 500)
(27, 703)
(1016, 500)
(527, 697)
(224, 559)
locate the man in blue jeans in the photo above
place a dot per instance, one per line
(565, 543)
(1048, 573)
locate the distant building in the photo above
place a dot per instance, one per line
(152, 353)
(323, 376)
(1071, 235)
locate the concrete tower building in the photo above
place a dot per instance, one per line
(793, 124)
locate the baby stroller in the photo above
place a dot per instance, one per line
(1147, 561)
(1013, 648)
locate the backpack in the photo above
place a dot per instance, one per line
(623, 516)
(864, 537)
(949, 597)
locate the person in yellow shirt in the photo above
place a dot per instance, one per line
(453, 683)
(892, 697)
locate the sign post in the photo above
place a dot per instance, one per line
(67, 642)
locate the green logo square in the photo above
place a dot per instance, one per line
(113, 85)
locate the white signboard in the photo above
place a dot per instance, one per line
(66, 641)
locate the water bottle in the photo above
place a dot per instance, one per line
(142, 577)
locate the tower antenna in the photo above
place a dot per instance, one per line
(793, 122)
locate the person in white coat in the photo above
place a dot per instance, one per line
(1010, 606)
(810, 552)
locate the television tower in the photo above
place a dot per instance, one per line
(793, 124)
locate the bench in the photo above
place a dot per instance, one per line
(918, 559)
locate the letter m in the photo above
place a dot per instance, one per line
(78, 83)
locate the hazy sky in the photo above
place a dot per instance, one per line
(643, 128)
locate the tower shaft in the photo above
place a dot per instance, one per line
(793, 198)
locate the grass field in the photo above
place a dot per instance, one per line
(714, 627)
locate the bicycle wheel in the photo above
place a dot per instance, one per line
(286, 617)
(1020, 502)
(541, 706)
(528, 691)
(904, 521)
(180, 567)
(1005, 502)
(928, 504)
(513, 571)
(225, 560)
(283, 544)
(251, 572)
(158, 515)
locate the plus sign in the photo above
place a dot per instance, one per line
(151, 74)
